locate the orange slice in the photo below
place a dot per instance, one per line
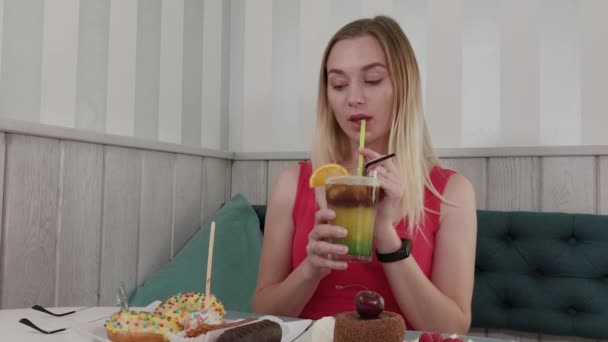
(321, 174)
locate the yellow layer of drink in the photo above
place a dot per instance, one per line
(359, 222)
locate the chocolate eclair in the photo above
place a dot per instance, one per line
(262, 331)
(205, 328)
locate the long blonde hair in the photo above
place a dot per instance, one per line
(409, 138)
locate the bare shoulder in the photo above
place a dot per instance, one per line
(275, 260)
(285, 187)
(459, 195)
(459, 189)
(291, 172)
(454, 254)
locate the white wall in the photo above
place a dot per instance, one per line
(154, 69)
(495, 72)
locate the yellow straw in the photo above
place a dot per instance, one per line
(361, 144)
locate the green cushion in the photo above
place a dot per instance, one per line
(236, 251)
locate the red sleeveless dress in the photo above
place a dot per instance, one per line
(327, 299)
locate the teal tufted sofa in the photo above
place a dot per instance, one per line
(539, 272)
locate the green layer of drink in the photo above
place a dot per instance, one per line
(359, 222)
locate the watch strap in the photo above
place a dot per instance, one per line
(400, 254)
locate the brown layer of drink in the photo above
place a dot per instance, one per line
(351, 196)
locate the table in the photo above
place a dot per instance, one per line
(12, 330)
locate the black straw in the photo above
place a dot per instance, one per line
(377, 161)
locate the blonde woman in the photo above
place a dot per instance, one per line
(369, 71)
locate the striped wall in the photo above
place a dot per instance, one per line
(153, 69)
(495, 72)
(241, 75)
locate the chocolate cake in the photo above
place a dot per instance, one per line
(370, 322)
(387, 327)
(262, 331)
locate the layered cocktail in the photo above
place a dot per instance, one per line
(354, 199)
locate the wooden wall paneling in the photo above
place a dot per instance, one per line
(250, 179)
(156, 212)
(215, 176)
(188, 199)
(568, 184)
(30, 221)
(79, 224)
(120, 218)
(513, 183)
(475, 170)
(228, 189)
(274, 168)
(602, 189)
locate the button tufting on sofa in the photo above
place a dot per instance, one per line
(550, 278)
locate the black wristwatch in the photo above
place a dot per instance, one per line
(400, 254)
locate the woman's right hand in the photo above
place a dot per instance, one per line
(318, 249)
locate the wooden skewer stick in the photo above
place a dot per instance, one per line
(209, 264)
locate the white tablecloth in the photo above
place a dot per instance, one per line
(12, 330)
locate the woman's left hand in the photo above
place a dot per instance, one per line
(392, 184)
